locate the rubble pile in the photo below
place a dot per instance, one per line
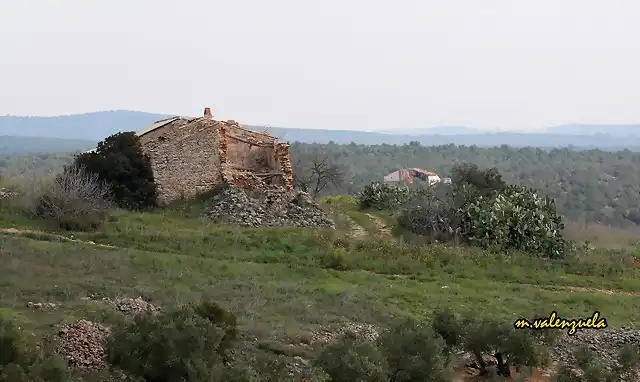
(127, 305)
(6, 193)
(133, 306)
(606, 344)
(363, 331)
(82, 344)
(269, 207)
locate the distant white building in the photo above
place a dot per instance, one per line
(407, 175)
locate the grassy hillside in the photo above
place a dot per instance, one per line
(284, 283)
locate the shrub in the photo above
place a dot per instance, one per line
(383, 196)
(518, 219)
(592, 370)
(407, 352)
(350, 359)
(74, 200)
(486, 183)
(430, 216)
(223, 319)
(120, 161)
(510, 347)
(24, 361)
(176, 346)
(415, 353)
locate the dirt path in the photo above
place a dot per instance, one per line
(356, 232)
(383, 228)
(602, 291)
(20, 231)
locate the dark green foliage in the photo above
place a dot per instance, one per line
(510, 347)
(221, 318)
(383, 196)
(22, 360)
(486, 183)
(415, 353)
(192, 343)
(481, 210)
(350, 359)
(446, 325)
(519, 219)
(592, 369)
(407, 352)
(120, 161)
(432, 217)
(177, 346)
(592, 185)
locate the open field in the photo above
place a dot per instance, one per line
(283, 281)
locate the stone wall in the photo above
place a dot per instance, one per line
(191, 156)
(185, 157)
(253, 159)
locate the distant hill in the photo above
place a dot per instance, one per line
(615, 130)
(78, 130)
(12, 145)
(89, 126)
(440, 130)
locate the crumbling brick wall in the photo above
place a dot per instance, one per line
(254, 159)
(185, 157)
(191, 156)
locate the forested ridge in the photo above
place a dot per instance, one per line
(594, 185)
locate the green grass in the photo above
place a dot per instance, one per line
(278, 280)
(279, 295)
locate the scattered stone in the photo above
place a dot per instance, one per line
(132, 306)
(7, 194)
(82, 344)
(42, 305)
(605, 344)
(363, 331)
(272, 207)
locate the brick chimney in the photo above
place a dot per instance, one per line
(207, 113)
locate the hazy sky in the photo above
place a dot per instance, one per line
(339, 64)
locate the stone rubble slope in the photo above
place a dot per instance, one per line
(605, 343)
(82, 344)
(270, 207)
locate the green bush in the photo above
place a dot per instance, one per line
(196, 342)
(120, 161)
(430, 216)
(415, 353)
(223, 319)
(177, 346)
(350, 359)
(481, 210)
(510, 347)
(407, 352)
(590, 369)
(22, 360)
(383, 196)
(518, 219)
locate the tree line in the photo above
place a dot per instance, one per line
(591, 185)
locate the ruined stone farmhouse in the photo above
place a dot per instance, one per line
(192, 155)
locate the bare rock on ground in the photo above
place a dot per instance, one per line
(271, 207)
(82, 344)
